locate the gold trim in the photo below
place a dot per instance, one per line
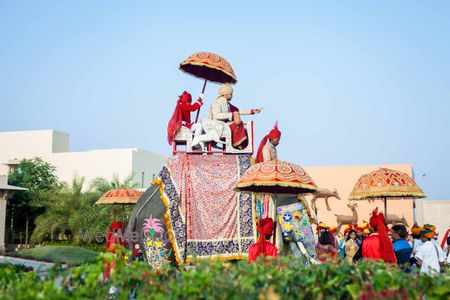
(279, 183)
(376, 194)
(166, 203)
(208, 66)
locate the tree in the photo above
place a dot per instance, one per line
(102, 185)
(71, 212)
(38, 177)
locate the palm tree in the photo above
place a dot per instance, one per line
(72, 212)
(102, 185)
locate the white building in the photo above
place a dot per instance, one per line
(53, 147)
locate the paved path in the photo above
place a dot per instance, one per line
(39, 266)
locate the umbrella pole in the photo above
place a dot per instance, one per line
(203, 90)
(385, 210)
(275, 221)
(414, 210)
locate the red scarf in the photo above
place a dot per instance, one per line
(386, 248)
(177, 117)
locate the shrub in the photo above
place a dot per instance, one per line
(267, 279)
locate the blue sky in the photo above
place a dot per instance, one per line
(350, 82)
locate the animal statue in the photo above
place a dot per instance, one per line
(323, 193)
(394, 219)
(346, 219)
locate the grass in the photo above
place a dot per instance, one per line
(63, 254)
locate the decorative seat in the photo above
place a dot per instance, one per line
(185, 137)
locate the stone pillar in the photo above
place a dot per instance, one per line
(2, 223)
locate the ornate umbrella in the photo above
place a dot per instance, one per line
(386, 183)
(122, 196)
(119, 196)
(276, 176)
(210, 67)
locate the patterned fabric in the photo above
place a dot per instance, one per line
(209, 66)
(277, 176)
(385, 183)
(295, 225)
(206, 217)
(155, 241)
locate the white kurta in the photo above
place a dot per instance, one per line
(220, 110)
(429, 256)
(269, 152)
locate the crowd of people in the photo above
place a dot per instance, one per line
(417, 251)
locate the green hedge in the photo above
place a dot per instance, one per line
(280, 279)
(60, 254)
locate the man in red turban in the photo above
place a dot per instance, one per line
(263, 246)
(182, 116)
(115, 239)
(378, 245)
(267, 150)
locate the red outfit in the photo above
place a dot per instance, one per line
(371, 247)
(270, 251)
(263, 247)
(378, 245)
(181, 115)
(114, 238)
(238, 132)
(273, 134)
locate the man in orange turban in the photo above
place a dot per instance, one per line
(428, 256)
(378, 244)
(263, 246)
(267, 148)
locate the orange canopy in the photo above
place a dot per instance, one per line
(276, 177)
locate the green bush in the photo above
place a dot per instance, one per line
(268, 279)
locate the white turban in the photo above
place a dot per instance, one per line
(226, 89)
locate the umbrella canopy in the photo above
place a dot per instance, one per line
(276, 176)
(209, 66)
(119, 196)
(385, 183)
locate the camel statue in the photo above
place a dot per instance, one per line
(346, 219)
(394, 219)
(323, 193)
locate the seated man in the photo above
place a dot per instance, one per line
(182, 116)
(222, 110)
(263, 246)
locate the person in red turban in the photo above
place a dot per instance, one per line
(378, 245)
(182, 116)
(263, 246)
(267, 148)
(115, 239)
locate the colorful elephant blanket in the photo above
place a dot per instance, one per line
(205, 217)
